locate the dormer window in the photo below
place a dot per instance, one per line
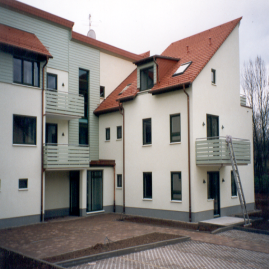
(182, 69)
(146, 78)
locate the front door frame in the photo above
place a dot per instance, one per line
(74, 193)
(213, 191)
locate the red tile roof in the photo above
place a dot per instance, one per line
(106, 47)
(21, 7)
(20, 39)
(198, 49)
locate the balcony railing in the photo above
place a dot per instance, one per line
(66, 156)
(243, 100)
(214, 151)
(64, 104)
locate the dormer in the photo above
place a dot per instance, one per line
(149, 70)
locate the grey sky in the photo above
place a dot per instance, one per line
(142, 25)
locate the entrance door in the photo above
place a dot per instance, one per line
(212, 126)
(94, 191)
(213, 191)
(51, 133)
(74, 193)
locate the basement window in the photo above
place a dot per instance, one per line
(23, 183)
(182, 69)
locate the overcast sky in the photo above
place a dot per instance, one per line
(142, 25)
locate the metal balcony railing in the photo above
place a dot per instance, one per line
(66, 156)
(64, 103)
(214, 151)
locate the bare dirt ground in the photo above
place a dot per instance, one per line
(262, 202)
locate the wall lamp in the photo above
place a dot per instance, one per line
(62, 134)
(63, 84)
(203, 124)
(204, 181)
(223, 180)
(222, 127)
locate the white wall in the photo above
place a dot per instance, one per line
(223, 100)
(113, 70)
(161, 158)
(19, 161)
(112, 149)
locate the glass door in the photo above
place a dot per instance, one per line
(214, 191)
(94, 191)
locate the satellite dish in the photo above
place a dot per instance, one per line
(91, 32)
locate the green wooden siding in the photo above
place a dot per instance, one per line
(81, 56)
(54, 37)
(6, 67)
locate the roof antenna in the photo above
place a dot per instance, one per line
(91, 32)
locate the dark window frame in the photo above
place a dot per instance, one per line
(147, 185)
(22, 72)
(108, 134)
(147, 136)
(149, 85)
(119, 132)
(233, 185)
(175, 134)
(119, 180)
(173, 192)
(22, 185)
(102, 91)
(56, 78)
(213, 76)
(24, 132)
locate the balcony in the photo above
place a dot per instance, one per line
(214, 151)
(64, 105)
(58, 156)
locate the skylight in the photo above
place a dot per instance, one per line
(182, 69)
(125, 88)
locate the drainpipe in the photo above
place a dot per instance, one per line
(114, 168)
(158, 77)
(189, 161)
(42, 140)
(121, 109)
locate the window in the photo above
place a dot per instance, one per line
(233, 185)
(83, 122)
(146, 78)
(175, 128)
(26, 72)
(147, 185)
(107, 134)
(119, 181)
(24, 130)
(146, 131)
(51, 133)
(51, 81)
(176, 190)
(23, 183)
(102, 91)
(182, 69)
(119, 132)
(213, 76)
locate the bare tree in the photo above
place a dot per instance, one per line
(255, 86)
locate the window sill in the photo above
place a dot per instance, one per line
(93, 212)
(147, 199)
(149, 145)
(107, 140)
(145, 91)
(234, 197)
(174, 143)
(176, 201)
(210, 200)
(213, 84)
(25, 85)
(119, 139)
(23, 145)
(118, 188)
(23, 189)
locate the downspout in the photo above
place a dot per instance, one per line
(42, 140)
(114, 168)
(158, 77)
(121, 109)
(189, 161)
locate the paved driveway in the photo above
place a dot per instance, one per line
(190, 254)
